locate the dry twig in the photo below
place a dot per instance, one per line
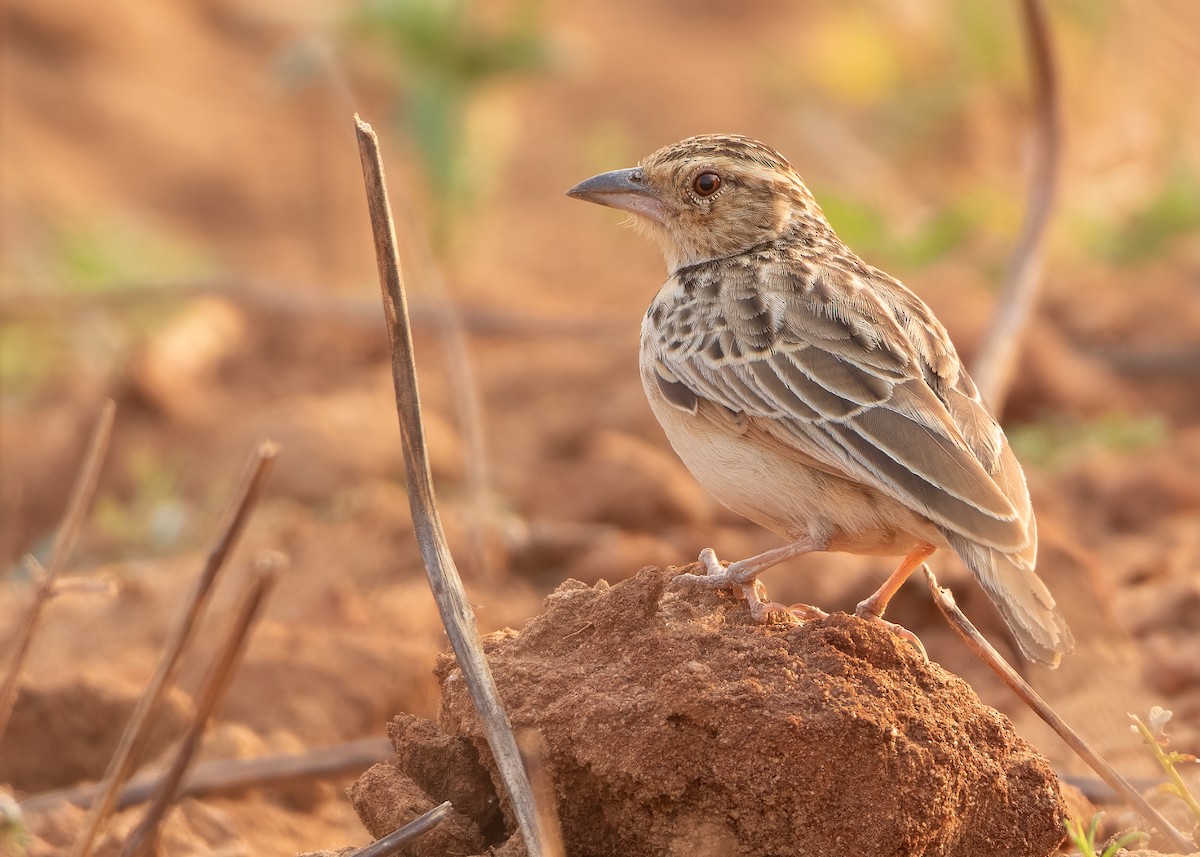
(444, 580)
(294, 300)
(64, 543)
(211, 691)
(228, 776)
(997, 357)
(418, 827)
(977, 643)
(133, 738)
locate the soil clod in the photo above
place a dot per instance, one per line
(673, 724)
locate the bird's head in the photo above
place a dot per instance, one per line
(709, 197)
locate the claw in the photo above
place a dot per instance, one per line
(763, 610)
(807, 612)
(865, 611)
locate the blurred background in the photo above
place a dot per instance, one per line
(183, 228)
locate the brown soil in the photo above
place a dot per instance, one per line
(94, 715)
(673, 724)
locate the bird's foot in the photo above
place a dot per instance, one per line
(866, 610)
(744, 576)
(720, 576)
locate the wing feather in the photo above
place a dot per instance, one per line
(837, 375)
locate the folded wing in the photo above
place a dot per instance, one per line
(853, 374)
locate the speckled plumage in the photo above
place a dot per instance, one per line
(813, 393)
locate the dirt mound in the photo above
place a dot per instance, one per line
(674, 725)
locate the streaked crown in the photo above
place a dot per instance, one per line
(728, 148)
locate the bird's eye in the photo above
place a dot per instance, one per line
(706, 184)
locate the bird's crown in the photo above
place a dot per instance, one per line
(733, 149)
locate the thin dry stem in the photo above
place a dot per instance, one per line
(233, 522)
(211, 692)
(418, 827)
(444, 580)
(996, 360)
(977, 643)
(64, 543)
(229, 776)
(297, 300)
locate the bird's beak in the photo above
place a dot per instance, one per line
(623, 189)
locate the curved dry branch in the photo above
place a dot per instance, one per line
(448, 592)
(976, 642)
(997, 357)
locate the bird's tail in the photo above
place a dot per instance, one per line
(1022, 599)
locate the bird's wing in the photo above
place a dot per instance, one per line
(851, 372)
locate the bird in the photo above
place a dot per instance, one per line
(814, 394)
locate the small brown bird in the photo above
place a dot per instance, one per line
(816, 395)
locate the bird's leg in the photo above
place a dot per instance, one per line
(872, 607)
(744, 575)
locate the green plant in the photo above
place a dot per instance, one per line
(30, 353)
(150, 515)
(119, 252)
(1154, 736)
(446, 54)
(1173, 211)
(1059, 442)
(14, 834)
(1085, 840)
(865, 227)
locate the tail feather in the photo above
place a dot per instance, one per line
(1022, 599)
